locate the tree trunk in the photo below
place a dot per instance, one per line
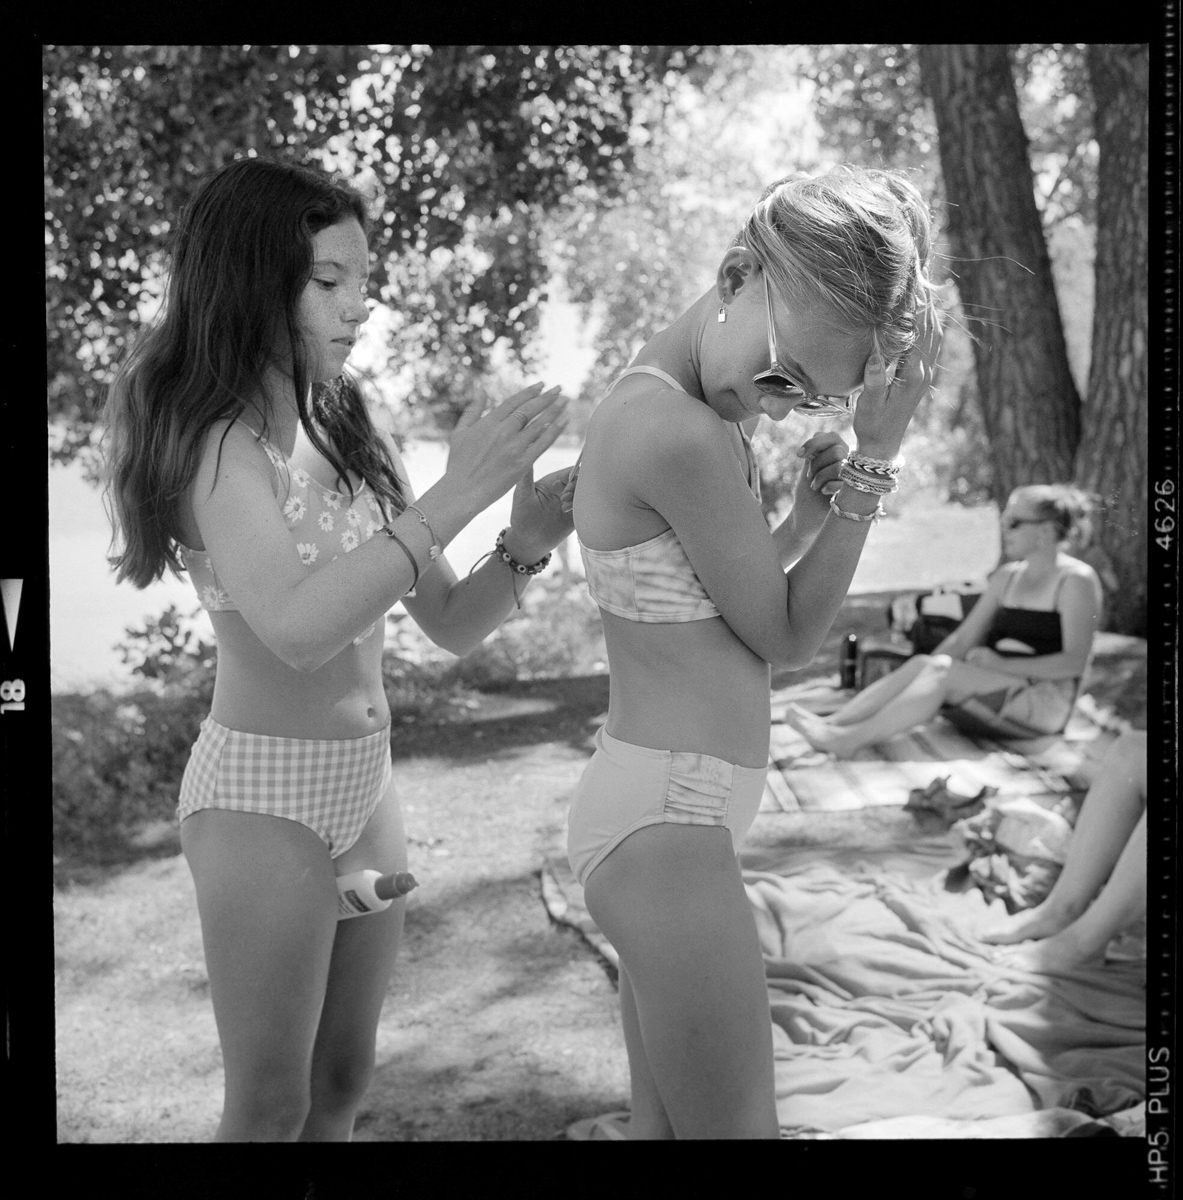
(1030, 406)
(1113, 456)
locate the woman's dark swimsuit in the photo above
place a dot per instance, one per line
(1028, 707)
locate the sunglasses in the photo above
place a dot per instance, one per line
(776, 382)
(1014, 522)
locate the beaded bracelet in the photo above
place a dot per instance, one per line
(403, 546)
(499, 551)
(521, 568)
(436, 549)
(849, 516)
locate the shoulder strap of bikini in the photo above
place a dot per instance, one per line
(645, 370)
(1059, 584)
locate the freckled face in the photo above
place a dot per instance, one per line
(817, 355)
(332, 307)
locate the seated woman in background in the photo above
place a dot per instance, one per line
(1102, 888)
(1014, 664)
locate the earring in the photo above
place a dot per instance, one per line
(722, 314)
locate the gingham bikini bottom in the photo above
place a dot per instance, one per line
(330, 785)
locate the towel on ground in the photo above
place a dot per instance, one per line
(885, 1005)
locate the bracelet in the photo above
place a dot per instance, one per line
(877, 484)
(436, 549)
(849, 516)
(403, 546)
(517, 567)
(881, 466)
(520, 568)
(866, 483)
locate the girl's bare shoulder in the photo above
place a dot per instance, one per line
(650, 419)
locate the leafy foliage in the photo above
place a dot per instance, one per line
(872, 103)
(462, 148)
(634, 267)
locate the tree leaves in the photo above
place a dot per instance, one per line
(463, 149)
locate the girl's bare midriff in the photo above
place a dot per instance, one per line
(692, 686)
(257, 692)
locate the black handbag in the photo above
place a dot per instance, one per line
(927, 618)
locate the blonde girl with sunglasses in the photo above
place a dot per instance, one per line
(823, 303)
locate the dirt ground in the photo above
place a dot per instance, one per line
(500, 1025)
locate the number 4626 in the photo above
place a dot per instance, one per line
(1163, 526)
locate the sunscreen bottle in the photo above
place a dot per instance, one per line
(362, 892)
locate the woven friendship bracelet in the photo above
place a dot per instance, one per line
(879, 484)
(879, 466)
(849, 516)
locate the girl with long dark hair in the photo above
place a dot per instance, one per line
(240, 452)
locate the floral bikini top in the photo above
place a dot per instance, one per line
(321, 525)
(654, 582)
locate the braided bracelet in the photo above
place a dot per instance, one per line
(856, 478)
(880, 466)
(861, 482)
(849, 516)
(436, 549)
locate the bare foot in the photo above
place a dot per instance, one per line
(1063, 951)
(795, 714)
(819, 733)
(1039, 922)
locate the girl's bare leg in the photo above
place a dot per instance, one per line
(871, 699)
(938, 680)
(267, 899)
(1110, 814)
(671, 900)
(648, 1119)
(362, 964)
(1122, 902)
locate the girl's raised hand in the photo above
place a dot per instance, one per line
(489, 451)
(824, 453)
(884, 409)
(539, 517)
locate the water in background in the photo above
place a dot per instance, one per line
(926, 544)
(89, 612)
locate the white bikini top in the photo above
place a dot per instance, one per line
(323, 523)
(653, 581)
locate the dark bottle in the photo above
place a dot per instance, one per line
(848, 662)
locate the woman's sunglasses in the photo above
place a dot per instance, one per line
(776, 382)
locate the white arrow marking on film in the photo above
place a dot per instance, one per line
(10, 592)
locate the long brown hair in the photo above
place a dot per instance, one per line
(241, 256)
